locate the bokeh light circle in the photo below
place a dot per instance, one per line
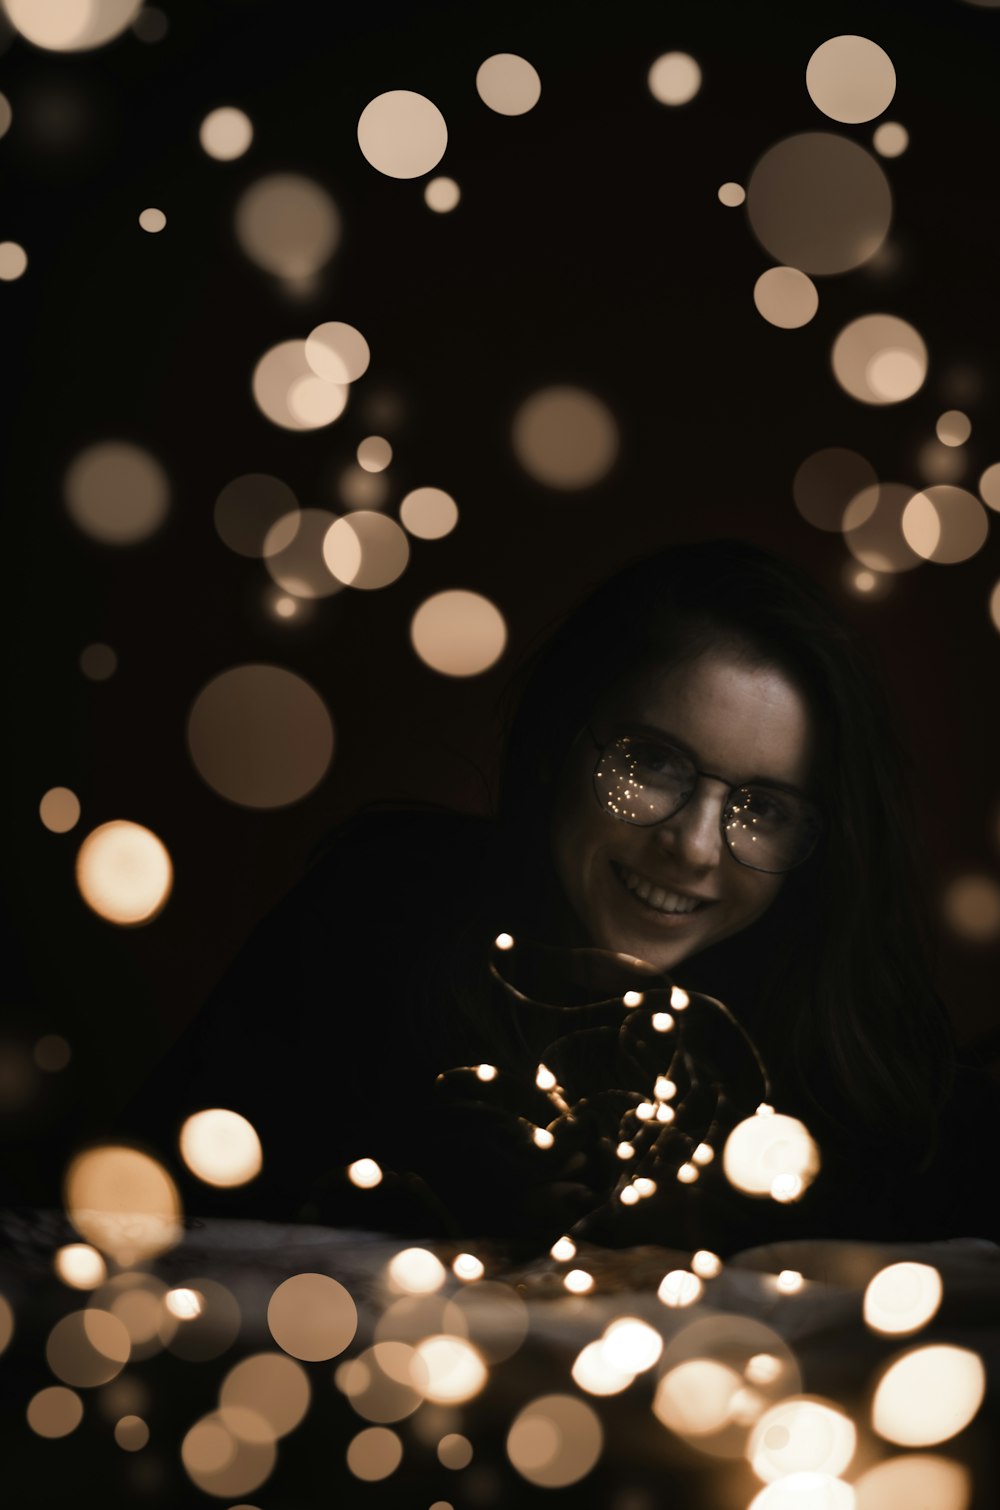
(826, 482)
(71, 25)
(819, 202)
(13, 261)
(152, 220)
(458, 633)
(366, 550)
(116, 492)
(732, 195)
(801, 1435)
(288, 225)
(402, 134)
(902, 1297)
(123, 1201)
(288, 392)
(879, 359)
(989, 486)
(260, 736)
(220, 1147)
(873, 528)
(293, 554)
(87, 1348)
(971, 907)
(953, 428)
(59, 810)
(442, 195)
(890, 139)
(312, 1317)
(945, 524)
(55, 1412)
(674, 78)
(508, 84)
(226, 133)
(429, 513)
(851, 79)
(928, 1395)
(337, 352)
(555, 1441)
(124, 872)
(273, 1387)
(565, 437)
(786, 297)
(248, 507)
(374, 1454)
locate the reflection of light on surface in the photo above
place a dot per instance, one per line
(732, 195)
(674, 78)
(80, 1266)
(374, 453)
(953, 428)
(786, 297)
(879, 359)
(508, 84)
(662, 1022)
(625, 1151)
(75, 26)
(287, 225)
(789, 1281)
(248, 507)
(805, 1491)
(153, 221)
(632, 999)
(428, 513)
(220, 1147)
(565, 437)
(458, 633)
(260, 736)
(467, 1267)
(819, 202)
(971, 907)
(695, 1398)
(890, 139)
(442, 195)
(124, 873)
(554, 1441)
(364, 1173)
(123, 1202)
(922, 1476)
(704, 1154)
(374, 1454)
(578, 1281)
(312, 1317)
(902, 1298)
(762, 1147)
(504, 941)
(455, 1369)
(928, 1395)
(486, 1072)
(850, 79)
(679, 1288)
(13, 261)
(273, 1387)
(801, 1435)
(416, 1271)
(631, 1346)
(542, 1138)
(687, 1173)
(116, 492)
(989, 486)
(945, 524)
(365, 550)
(705, 1264)
(337, 352)
(87, 1348)
(59, 810)
(225, 133)
(629, 1196)
(402, 134)
(826, 482)
(873, 528)
(679, 999)
(55, 1412)
(763, 1368)
(563, 1249)
(98, 662)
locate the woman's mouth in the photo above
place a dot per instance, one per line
(654, 898)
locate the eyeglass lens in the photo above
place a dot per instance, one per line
(645, 781)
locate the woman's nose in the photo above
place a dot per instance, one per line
(694, 833)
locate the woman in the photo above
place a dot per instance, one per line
(701, 784)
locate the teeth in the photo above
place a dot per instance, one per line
(655, 896)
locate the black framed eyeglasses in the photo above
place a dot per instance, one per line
(645, 780)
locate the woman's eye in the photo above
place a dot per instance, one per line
(657, 759)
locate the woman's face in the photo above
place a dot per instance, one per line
(744, 724)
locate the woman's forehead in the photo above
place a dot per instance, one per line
(736, 716)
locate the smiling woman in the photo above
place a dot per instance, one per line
(701, 789)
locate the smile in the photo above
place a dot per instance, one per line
(656, 898)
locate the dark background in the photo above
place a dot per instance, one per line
(589, 247)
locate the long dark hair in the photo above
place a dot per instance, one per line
(836, 977)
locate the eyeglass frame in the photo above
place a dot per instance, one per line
(709, 776)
